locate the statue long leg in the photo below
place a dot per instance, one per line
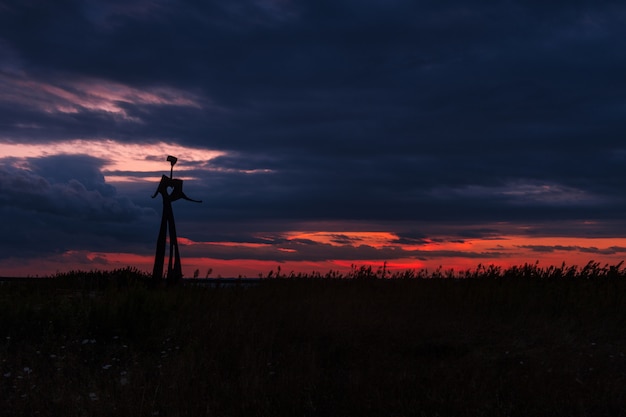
(159, 258)
(174, 270)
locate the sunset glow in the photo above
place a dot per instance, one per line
(71, 96)
(374, 239)
(117, 156)
(458, 256)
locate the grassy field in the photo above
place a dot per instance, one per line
(518, 342)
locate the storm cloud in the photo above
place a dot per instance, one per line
(62, 202)
(450, 118)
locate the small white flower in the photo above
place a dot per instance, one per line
(107, 366)
(27, 370)
(93, 396)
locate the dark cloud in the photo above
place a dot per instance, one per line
(60, 203)
(63, 169)
(446, 113)
(66, 186)
(593, 250)
(315, 252)
(341, 239)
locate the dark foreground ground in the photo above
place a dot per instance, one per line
(521, 343)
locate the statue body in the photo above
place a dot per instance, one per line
(174, 269)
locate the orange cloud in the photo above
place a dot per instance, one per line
(118, 157)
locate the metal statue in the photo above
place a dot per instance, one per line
(174, 270)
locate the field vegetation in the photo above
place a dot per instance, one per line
(523, 341)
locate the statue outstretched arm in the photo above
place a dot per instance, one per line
(177, 189)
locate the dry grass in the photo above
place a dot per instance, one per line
(497, 343)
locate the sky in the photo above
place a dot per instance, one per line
(318, 134)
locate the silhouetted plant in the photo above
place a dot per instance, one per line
(513, 341)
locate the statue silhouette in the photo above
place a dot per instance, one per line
(174, 269)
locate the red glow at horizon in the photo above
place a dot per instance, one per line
(511, 251)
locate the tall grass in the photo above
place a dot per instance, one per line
(493, 342)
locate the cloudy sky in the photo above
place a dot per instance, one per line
(319, 134)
